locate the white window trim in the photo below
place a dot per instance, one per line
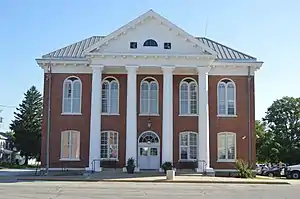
(183, 81)
(70, 148)
(235, 149)
(109, 96)
(63, 96)
(149, 92)
(226, 99)
(188, 146)
(108, 133)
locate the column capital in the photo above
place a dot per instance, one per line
(167, 69)
(131, 68)
(203, 69)
(97, 66)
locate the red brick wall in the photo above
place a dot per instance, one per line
(59, 123)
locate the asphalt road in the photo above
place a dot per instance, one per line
(76, 190)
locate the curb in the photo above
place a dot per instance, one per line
(155, 181)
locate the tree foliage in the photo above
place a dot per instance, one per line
(28, 123)
(279, 135)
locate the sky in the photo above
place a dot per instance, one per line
(266, 29)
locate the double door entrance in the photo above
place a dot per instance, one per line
(149, 151)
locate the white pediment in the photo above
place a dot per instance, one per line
(150, 26)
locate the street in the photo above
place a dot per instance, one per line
(76, 190)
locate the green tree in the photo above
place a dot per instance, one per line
(27, 124)
(265, 150)
(283, 128)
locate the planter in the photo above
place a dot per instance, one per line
(130, 169)
(170, 174)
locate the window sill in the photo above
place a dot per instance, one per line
(146, 114)
(69, 159)
(226, 161)
(111, 114)
(109, 159)
(188, 160)
(229, 116)
(188, 115)
(71, 113)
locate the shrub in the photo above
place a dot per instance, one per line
(244, 169)
(167, 166)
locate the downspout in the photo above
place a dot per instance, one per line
(250, 136)
(48, 119)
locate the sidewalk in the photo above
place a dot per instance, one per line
(157, 179)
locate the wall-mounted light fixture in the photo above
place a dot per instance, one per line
(149, 123)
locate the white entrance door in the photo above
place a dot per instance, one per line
(148, 151)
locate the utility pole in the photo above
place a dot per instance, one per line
(1, 118)
(48, 118)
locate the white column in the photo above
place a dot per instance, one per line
(167, 129)
(95, 128)
(203, 121)
(131, 115)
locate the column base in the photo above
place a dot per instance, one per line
(99, 169)
(208, 171)
(136, 169)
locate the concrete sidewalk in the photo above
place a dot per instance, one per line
(157, 179)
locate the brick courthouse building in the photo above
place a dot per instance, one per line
(150, 91)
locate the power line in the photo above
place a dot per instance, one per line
(7, 106)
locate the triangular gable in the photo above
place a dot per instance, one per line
(139, 20)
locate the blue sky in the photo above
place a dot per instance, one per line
(268, 30)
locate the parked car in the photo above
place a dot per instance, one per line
(275, 172)
(261, 168)
(293, 172)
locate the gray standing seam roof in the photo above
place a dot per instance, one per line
(76, 50)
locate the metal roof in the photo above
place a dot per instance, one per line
(76, 50)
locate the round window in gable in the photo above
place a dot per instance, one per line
(151, 43)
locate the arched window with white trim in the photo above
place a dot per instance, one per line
(149, 96)
(110, 96)
(188, 146)
(188, 94)
(150, 43)
(72, 90)
(109, 145)
(226, 146)
(226, 97)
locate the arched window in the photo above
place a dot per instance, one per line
(150, 42)
(226, 147)
(109, 145)
(149, 137)
(149, 96)
(70, 145)
(226, 97)
(72, 89)
(188, 144)
(188, 94)
(110, 96)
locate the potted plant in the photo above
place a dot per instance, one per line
(167, 166)
(130, 165)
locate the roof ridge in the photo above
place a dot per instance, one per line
(227, 47)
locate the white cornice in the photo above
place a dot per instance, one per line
(150, 56)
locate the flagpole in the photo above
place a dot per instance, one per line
(48, 118)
